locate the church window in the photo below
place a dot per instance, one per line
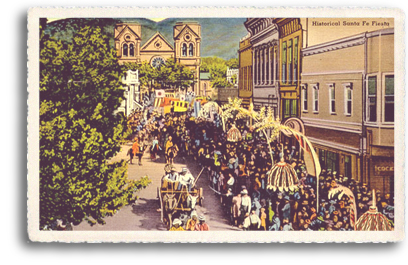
(191, 50)
(184, 50)
(125, 50)
(131, 50)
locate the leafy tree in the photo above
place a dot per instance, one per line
(174, 75)
(233, 63)
(218, 70)
(218, 76)
(79, 91)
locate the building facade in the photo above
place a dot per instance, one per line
(205, 85)
(156, 50)
(264, 41)
(245, 82)
(232, 76)
(347, 106)
(290, 44)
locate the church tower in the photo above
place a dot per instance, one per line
(127, 42)
(187, 40)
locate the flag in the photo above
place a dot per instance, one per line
(159, 93)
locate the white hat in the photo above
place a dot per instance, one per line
(201, 218)
(176, 221)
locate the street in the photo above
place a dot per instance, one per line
(143, 216)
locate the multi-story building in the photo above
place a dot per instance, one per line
(264, 42)
(347, 106)
(245, 84)
(156, 50)
(289, 65)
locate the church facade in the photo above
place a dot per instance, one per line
(185, 48)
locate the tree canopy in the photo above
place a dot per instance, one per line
(79, 91)
(217, 67)
(170, 75)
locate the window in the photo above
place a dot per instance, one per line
(131, 50)
(332, 99)
(348, 98)
(191, 50)
(372, 99)
(332, 161)
(389, 99)
(304, 97)
(289, 108)
(263, 66)
(295, 59)
(347, 167)
(284, 62)
(316, 98)
(184, 50)
(290, 65)
(267, 66)
(125, 50)
(258, 68)
(272, 64)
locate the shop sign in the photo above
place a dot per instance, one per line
(384, 168)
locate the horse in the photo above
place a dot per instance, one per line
(169, 206)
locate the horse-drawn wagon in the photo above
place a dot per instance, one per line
(178, 198)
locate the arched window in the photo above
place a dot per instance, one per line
(125, 50)
(191, 50)
(184, 50)
(131, 50)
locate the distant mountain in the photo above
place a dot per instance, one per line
(219, 36)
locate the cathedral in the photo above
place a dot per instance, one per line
(185, 50)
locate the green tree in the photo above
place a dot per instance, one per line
(218, 76)
(79, 91)
(174, 75)
(233, 63)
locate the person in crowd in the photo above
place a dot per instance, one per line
(236, 208)
(245, 204)
(155, 148)
(185, 179)
(177, 225)
(255, 220)
(135, 148)
(192, 223)
(202, 225)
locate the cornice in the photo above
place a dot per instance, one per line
(347, 42)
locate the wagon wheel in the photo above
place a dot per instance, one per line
(201, 197)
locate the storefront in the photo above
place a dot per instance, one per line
(382, 174)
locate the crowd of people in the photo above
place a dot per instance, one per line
(238, 167)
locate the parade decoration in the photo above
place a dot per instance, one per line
(233, 135)
(372, 220)
(341, 190)
(281, 177)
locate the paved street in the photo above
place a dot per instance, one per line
(143, 216)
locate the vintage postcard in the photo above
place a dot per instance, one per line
(215, 124)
